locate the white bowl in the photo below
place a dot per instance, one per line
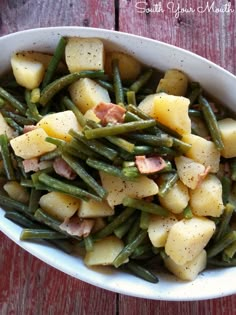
(217, 81)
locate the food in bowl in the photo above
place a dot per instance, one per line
(136, 169)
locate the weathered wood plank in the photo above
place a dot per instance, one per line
(18, 15)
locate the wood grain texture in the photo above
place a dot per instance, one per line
(28, 286)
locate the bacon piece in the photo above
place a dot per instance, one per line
(28, 128)
(63, 169)
(203, 175)
(31, 165)
(149, 165)
(76, 226)
(109, 113)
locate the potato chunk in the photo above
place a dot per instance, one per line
(104, 251)
(59, 205)
(175, 82)
(31, 144)
(84, 54)
(129, 67)
(118, 189)
(147, 103)
(203, 151)
(187, 238)
(206, 199)
(94, 209)
(190, 270)
(58, 124)
(86, 94)
(158, 229)
(172, 111)
(5, 128)
(27, 71)
(228, 131)
(176, 199)
(16, 191)
(190, 172)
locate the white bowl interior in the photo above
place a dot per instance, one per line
(215, 80)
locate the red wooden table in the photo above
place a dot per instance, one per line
(28, 286)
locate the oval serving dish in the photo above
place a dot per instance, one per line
(215, 80)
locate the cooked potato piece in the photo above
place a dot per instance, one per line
(228, 131)
(94, 209)
(58, 124)
(206, 199)
(203, 151)
(158, 229)
(27, 71)
(190, 270)
(129, 67)
(59, 205)
(31, 144)
(16, 191)
(187, 238)
(5, 128)
(176, 199)
(118, 189)
(191, 173)
(84, 54)
(175, 82)
(147, 103)
(91, 116)
(104, 251)
(172, 111)
(86, 94)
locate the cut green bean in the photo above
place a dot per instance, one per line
(7, 202)
(142, 250)
(133, 232)
(29, 234)
(84, 175)
(70, 105)
(54, 62)
(56, 86)
(141, 81)
(122, 229)
(32, 107)
(221, 263)
(21, 120)
(180, 146)
(144, 220)
(131, 98)
(219, 246)
(80, 148)
(34, 200)
(226, 188)
(119, 129)
(18, 129)
(193, 96)
(229, 252)
(131, 172)
(21, 220)
(153, 140)
(167, 182)
(106, 85)
(211, 122)
(145, 206)
(7, 163)
(88, 242)
(187, 213)
(58, 185)
(12, 100)
(225, 218)
(129, 249)
(117, 84)
(141, 272)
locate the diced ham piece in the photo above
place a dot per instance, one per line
(63, 169)
(203, 175)
(31, 165)
(77, 226)
(149, 165)
(28, 128)
(110, 113)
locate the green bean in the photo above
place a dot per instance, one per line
(193, 96)
(80, 147)
(131, 98)
(130, 172)
(56, 86)
(32, 107)
(187, 213)
(29, 234)
(144, 220)
(106, 85)
(141, 272)
(141, 250)
(58, 142)
(233, 169)
(84, 175)
(50, 155)
(181, 146)
(141, 81)
(220, 263)
(70, 105)
(145, 206)
(35, 95)
(7, 163)
(27, 183)
(229, 252)
(133, 232)
(226, 188)
(7, 202)
(34, 200)
(54, 62)
(211, 122)
(109, 228)
(58, 185)
(167, 182)
(18, 129)
(64, 245)
(122, 229)
(224, 222)
(96, 146)
(74, 152)
(129, 249)
(21, 220)
(219, 246)
(21, 120)
(153, 140)
(12, 100)
(2, 102)
(194, 113)
(117, 84)
(119, 129)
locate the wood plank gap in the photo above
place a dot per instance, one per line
(117, 15)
